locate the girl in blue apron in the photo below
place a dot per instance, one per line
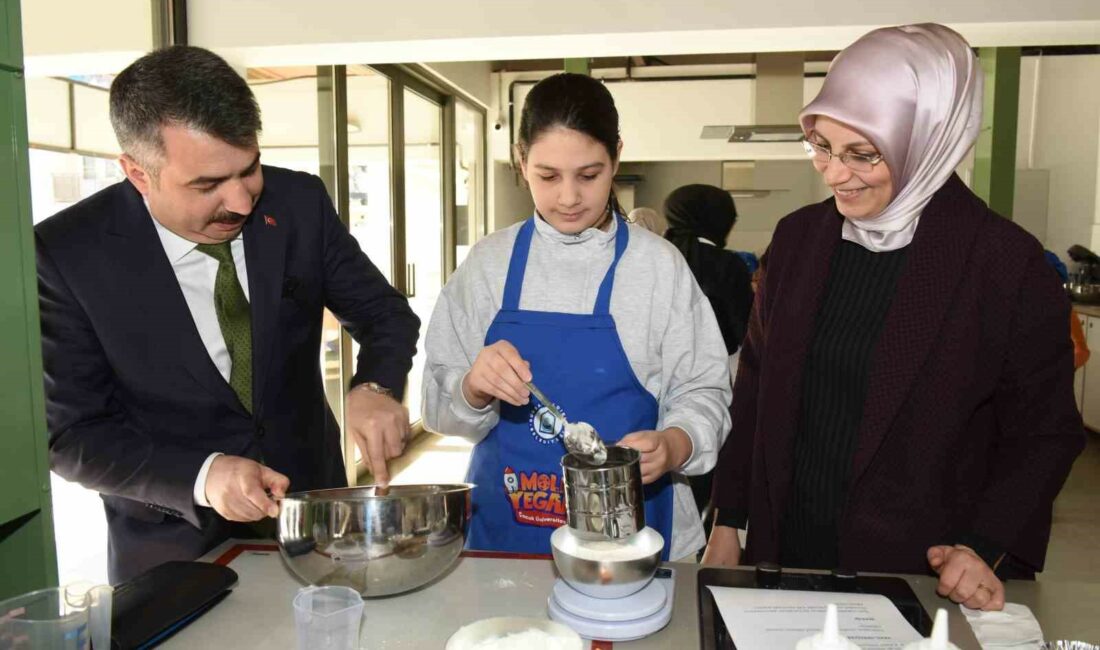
(482, 346)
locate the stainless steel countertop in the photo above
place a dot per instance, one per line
(1086, 309)
(258, 613)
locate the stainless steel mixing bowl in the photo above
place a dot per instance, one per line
(606, 569)
(378, 544)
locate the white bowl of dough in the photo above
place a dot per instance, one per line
(510, 632)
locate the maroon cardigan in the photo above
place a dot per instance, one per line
(969, 427)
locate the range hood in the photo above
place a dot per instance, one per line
(766, 133)
(752, 132)
(778, 99)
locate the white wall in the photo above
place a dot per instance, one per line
(272, 32)
(472, 77)
(800, 185)
(661, 178)
(662, 120)
(1066, 143)
(796, 182)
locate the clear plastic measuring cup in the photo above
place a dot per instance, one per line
(44, 619)
(328, 618)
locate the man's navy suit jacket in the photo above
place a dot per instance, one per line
(134, 402)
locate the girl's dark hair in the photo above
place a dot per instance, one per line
(571, 101)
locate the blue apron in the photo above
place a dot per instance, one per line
(579, 360)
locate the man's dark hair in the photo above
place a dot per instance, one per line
(185, 86)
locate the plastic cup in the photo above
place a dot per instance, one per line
(98, 600)
(328, 618)
(48, 618)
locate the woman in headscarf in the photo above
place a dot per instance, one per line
(700, 218)
(904, 401)
(646, 218)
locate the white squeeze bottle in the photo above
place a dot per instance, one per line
(938, 640)
(829, 638)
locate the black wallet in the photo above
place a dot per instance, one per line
(158, 603)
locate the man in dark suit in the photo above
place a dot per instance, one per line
(181, 323)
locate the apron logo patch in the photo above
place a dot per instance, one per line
(545, 427)
(536, 498)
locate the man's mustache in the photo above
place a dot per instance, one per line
(228, 217)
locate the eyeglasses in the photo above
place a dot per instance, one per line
(857, 162)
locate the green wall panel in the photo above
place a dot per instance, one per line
(995, 153)
(11, 48)
(26, 517)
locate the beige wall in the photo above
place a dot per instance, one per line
(274, 32)
(795, 181)
(63, 37)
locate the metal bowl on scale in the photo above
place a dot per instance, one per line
(607, 569)
(378, 542)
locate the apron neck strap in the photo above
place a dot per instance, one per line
(513, 286)
(517, 266)
(603, 298)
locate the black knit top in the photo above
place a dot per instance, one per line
(857, 296)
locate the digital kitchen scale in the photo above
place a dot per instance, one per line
(615, 619)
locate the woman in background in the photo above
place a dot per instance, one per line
(700, 218)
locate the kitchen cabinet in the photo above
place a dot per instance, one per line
(1090, 374)
(1079, 373)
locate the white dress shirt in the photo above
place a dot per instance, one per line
(196, 271)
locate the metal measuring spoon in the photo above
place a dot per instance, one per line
(580, 438)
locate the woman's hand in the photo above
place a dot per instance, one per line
(661, 451)
(966, 578)
(498, 373)
(723, 547)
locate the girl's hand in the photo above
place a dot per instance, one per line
(498, 373)
(662, 451)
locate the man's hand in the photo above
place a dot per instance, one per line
(499, 372)
(723, 547)
(379, 424)
(662, 451)
(966, 578)
(237, 488)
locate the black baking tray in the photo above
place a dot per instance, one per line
(712, 630)
(152, 607)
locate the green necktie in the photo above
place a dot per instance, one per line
(235, 320)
